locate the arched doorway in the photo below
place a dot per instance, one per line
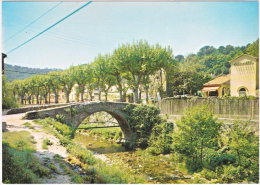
(242, 91)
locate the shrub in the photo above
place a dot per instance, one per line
(229, 173)
(197, 131)
(160, 141)
(208, 174)
(244, 144)
(60, 118)
(8, 99)
(142, 119)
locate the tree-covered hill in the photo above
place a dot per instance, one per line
(14, 72)
(189, 73)
(215, 61)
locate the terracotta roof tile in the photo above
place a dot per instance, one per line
(219, 80)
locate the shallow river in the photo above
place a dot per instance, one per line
(157, 169)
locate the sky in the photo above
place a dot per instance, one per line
(101, 27)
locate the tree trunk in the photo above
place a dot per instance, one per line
(99, 95)
(82, 96)
(45, 99)
(140, 96)
(56, 97)
(49, 97)
(124, 97)
(90, 95)
(106, 93)
(121, 95)
(135, 95)
(67, 97)
(146, 94)
(37, 99)
(30, 99)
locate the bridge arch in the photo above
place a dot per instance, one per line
(115, 110)
(76, 113)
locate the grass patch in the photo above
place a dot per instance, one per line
(29, 125)
(19, 164)
(46, 143)
(19, 140)
(84, 155)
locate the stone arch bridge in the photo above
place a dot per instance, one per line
(76, 113)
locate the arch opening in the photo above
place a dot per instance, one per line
(105, 118)
(242, 91)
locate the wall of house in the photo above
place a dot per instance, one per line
(244, 75)
(224, 108)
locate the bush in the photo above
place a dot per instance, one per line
(229, 173)
(244, 144)
(8, 99)
(142, 119)
(197, 132)
(60, 118)
(160, 141)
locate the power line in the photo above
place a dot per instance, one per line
(86, 4)
(45, 13)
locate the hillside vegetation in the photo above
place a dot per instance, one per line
(14, 72)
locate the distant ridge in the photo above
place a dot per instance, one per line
(14, 72)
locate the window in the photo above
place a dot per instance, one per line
(213, 93)
(242, 92)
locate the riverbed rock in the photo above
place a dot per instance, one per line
(175, 177)
(187, 177)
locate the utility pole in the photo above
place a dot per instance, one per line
(3, 62)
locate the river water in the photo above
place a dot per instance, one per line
(157, 169)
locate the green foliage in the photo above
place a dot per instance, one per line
(8, 99)
(61, 131)
(60, 118)
(111, 133)
(105, 133)
(142, 119)
(245, 145)
(84, 155)
(46, 143)
(29, 125)
(23, 72)
(160, 141)
(253, 49)
(19, 164)
(196, 133)
(19, 140)
(141, 60)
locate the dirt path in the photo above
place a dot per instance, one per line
(15, 123)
